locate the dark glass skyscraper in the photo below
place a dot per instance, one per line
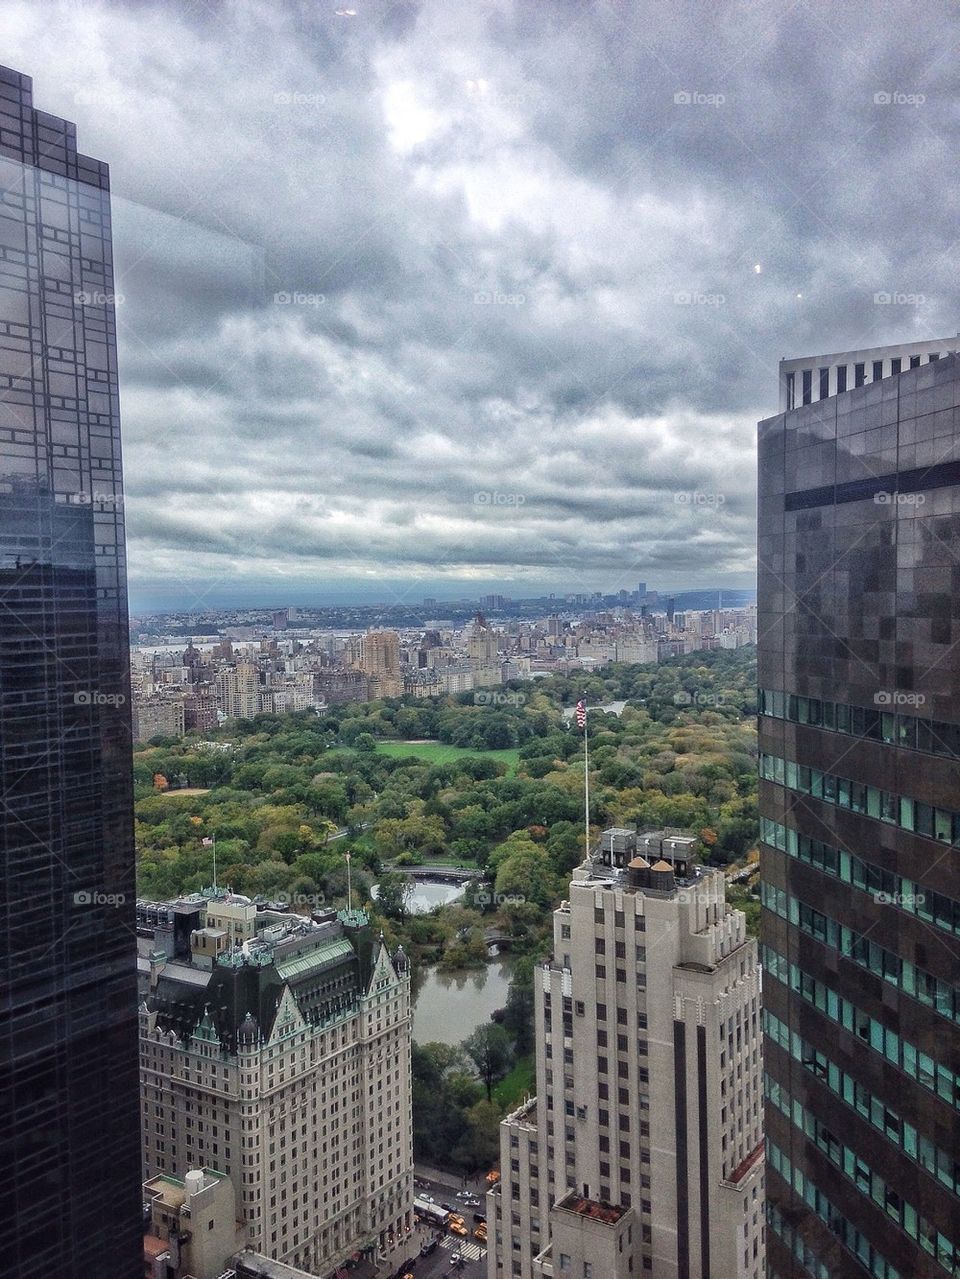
(69, 1136)
(859, 670)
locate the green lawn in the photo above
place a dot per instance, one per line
(521, 1080)
(440, 752)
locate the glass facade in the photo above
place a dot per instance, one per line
(69, 1140)
(859, 662)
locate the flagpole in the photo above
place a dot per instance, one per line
(349, 888)
(214, 863)
(586, 784)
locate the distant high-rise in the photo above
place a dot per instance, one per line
(642, 1152)
(859, 670)
(380, 660)
(69, 1137)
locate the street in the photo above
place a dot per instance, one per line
(438, 1264)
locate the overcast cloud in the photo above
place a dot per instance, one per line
(490, 291)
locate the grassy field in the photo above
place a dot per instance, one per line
(440, 752)
(521, 1079)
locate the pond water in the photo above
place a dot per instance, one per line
(426, 895)
(448, 1006)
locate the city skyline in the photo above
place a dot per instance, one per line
(381, 254)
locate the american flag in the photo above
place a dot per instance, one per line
(581, 714)
(206, 842)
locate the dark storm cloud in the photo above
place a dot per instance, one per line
(492, 290)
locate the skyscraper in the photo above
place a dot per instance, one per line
(276, 1049)
(859, 672)
(642, 1152)
(69, 1140)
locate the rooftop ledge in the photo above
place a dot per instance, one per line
(608, 1214)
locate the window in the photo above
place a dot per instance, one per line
(841, 378)
(807, 385)
(914, 361)
(896, 365)
(859, 374)
(791, 392)
(824, 383)
(877, 370)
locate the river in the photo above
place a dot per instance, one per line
(449, 1006)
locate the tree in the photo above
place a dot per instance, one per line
(489, 1050)
(393, 894)
(518, 1015)
(480, 1144)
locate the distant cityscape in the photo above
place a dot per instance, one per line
(295, 660)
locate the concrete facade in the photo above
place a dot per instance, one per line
(649, 1099)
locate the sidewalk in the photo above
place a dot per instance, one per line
(452, 1179)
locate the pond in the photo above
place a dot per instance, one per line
(448, 1006)
(426, 894)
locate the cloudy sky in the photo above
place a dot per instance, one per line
(458, 295)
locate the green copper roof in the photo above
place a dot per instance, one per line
(310, 960)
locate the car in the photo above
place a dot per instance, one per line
(480, 1233)
(478, 1216)
(471, 1203)
(456, 1228)
(429, 1199)
(447, 1207)
(463, 1194)
(456, 1259)
(429, 1247)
